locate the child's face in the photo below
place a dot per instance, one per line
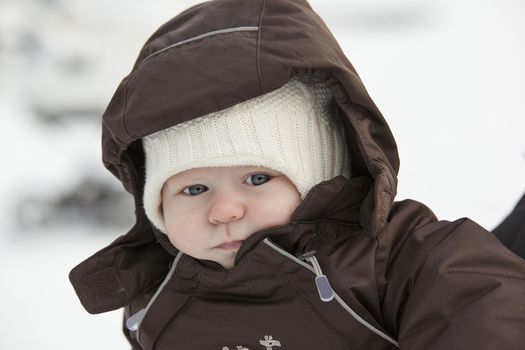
(209, 212)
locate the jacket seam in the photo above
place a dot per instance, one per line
(258, 48)
(362, 110)
(110, 131)
(126, 106)
(485, 274)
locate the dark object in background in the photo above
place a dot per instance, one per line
(511, 231)
(93, 202)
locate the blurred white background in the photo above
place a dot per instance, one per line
(447, 75)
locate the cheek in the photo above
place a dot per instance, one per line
(177, 217)
(181, 230)
(279, 207)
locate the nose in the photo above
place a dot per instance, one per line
(226, 208)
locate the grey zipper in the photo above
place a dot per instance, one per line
(325, 289)
(134, 321)
(215, 32)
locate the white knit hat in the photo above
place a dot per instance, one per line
(293, 130)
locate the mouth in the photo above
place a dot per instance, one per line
(233, 245)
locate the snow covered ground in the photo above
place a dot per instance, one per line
(447, 75)
(40, 309)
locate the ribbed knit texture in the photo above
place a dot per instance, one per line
(293, 130)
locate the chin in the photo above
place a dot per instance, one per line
(226, 264)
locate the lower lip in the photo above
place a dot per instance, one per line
(231, 245)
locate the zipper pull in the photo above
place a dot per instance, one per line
(326, 293)
(133, 322)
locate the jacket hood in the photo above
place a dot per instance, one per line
(208, 58)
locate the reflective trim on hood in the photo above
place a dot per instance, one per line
(201, 36)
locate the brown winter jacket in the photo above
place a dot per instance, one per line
(399, 277)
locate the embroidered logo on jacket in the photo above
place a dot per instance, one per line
(269, 343)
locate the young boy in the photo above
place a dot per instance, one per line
(264, 180)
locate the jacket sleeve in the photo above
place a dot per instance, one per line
(511, 231)
(466, 291)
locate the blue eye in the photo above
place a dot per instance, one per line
(195, 190)
(258, 179)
